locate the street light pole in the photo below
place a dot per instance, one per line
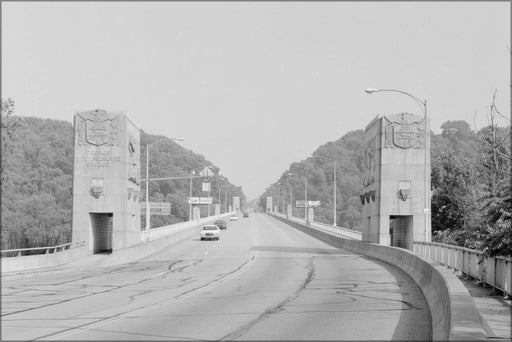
(192, 173)
(220, 179)
(284, 213)
(306, 199)
(148, 212)
(291, 202)
(423, 106)
(334, 191)
(147, 188)
(290, 186)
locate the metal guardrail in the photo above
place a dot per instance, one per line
(496, 271)
(344, 232)
(156, 233)
(47, 250)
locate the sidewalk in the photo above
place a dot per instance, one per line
(494, 309)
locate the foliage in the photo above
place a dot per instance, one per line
(37, 157)
(36, 196)
(8, 124)
(453, 200)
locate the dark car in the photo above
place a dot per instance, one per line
(246, 214)
(221, 224)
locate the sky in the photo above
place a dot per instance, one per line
(256, 86)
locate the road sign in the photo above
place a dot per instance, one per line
(302, 204)
(313, 203)
(156, 208)
(206, 172)
(200, 200)
(205, 200)
(206, 187)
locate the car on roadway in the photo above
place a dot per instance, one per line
(210, 231)
(233, 218)
(221, 224)
(246, 214)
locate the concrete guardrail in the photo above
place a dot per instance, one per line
(454, 314)
(6, 253)
(344, 232)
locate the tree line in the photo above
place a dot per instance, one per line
(37, 172)
(470, 181)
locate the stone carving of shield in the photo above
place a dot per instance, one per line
(97, 132)
(405, 136)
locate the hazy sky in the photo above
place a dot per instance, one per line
(255, 86)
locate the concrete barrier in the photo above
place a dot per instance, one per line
(80, 257)
(27, 262)
(454, 314)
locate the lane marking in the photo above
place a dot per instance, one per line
(205, 252)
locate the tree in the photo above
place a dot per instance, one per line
(497, 176)
(9, 124)
(454, 200)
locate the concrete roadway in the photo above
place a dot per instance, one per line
(262, 280)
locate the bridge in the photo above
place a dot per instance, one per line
(270, 276)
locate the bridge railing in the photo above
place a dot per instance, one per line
(344, 232)
(42, 250)
(495, 271)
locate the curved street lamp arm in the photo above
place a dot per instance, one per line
(423, 104)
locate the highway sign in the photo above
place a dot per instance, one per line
(193, 200)
(302, 204)
(205, 200)
(200, 200)
(206, 172)
(156, 208)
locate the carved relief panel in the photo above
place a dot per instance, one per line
(404, 131)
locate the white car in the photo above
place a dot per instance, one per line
(233, 218)
(210, 231)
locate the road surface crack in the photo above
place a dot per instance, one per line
(274, 309)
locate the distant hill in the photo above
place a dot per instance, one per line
(37, 168)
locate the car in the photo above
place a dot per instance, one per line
(221, 224)
(210, 231)
(233, 218)
(246, 214)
